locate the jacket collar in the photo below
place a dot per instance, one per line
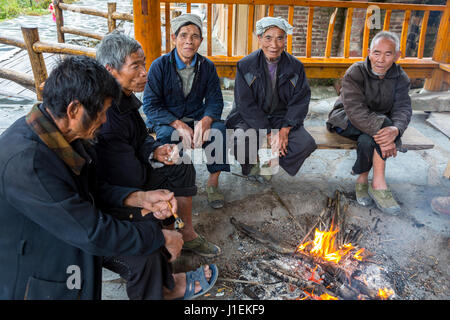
(42, 124)
(391, 73)
(128, 103)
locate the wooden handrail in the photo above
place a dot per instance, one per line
(322, 3)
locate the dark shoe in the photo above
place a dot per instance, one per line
(202, 247)
(215, 199)
(362, 194)
(441, 205)
(384, 200)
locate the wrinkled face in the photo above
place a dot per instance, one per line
(383, 55)
(187, 42)
(83, 127)
(132, 76)
(272, 42)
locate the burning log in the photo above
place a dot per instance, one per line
(289, 277)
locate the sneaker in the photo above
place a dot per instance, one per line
(441, 205)
(215, 199)
(256, 176)
(362, 194)
(384, 200)
(202, 247)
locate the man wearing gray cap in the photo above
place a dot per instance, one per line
(183, 98)
(271, 95)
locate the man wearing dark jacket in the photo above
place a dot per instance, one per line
(183, 98)
(128, 155)
(374, 108)
(271, 94)
(53, 232)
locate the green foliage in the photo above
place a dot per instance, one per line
(12, 8)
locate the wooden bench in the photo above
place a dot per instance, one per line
(412, 139)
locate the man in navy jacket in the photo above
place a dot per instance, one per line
(183, 98)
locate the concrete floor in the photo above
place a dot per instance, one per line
(415, 178)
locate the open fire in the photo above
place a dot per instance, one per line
(328, 265)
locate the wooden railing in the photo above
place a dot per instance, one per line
(35, 49)
(435, 69)
(111, 15)
(327, 66)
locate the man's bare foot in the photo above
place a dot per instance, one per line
(180, 285)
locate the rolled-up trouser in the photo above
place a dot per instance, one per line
(365, 146)
(164, 134)
(145, 275)
(300, 146)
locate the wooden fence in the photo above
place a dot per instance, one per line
(147, 18)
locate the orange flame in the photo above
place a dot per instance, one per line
(324, 296)
(324, 246)
(385, 293)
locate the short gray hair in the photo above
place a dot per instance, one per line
(114, 49)
(386, 35)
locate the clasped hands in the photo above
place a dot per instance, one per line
(385, 138)
(193, 138)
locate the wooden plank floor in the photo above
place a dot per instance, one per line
(20, 62)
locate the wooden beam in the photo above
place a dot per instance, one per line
(441, 52)
(330, 33)
(387, 20)
(348, 30)
(309, 31)
(209, 28)
(291, 22)
(111, 21)
(230, 31)
(251, 16)
(147, 26)
(23, 79)
(31, 36)
(59, 20)
(423, 31)
(80, 32)
(404, 35)
(366, 34)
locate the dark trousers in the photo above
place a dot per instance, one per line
(365, 146)
(300, 146)
(145, 275)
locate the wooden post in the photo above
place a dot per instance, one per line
(30, 37)
(111, 21)
(441, 52)
(59, 20)
(147, 28)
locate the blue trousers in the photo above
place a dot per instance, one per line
(164, 134)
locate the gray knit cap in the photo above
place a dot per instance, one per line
(267, 22)
(177, 22)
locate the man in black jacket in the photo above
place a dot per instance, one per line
(129, 156)
(374, 108)
(272, 96)
(53, 233)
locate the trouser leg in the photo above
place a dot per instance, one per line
(300, 146)
(145, 275)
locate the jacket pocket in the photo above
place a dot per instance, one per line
(38, 289)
